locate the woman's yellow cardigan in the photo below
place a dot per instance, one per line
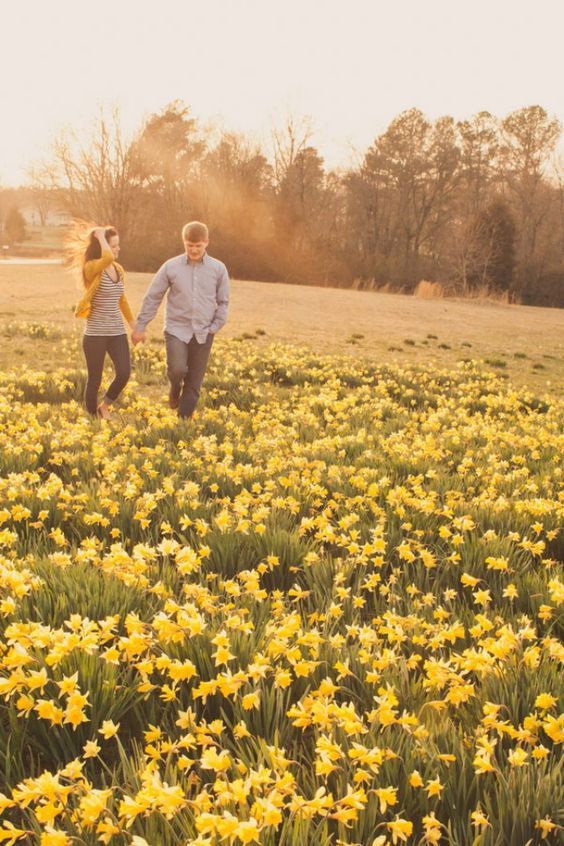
(93, 273)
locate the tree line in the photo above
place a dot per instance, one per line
(474, 205)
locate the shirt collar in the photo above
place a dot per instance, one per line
(202, 260)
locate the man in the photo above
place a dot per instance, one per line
(196, 308)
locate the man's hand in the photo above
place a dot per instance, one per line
(138, 337)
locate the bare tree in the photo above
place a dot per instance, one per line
(529, 138)
(235, 178)
(44, 181)
(481, 250)
(236, 196)
(559, 209)
(100, 179)
(166, 161)
(304, 203)
(288, 142)
(479, 160)
(169, 151)
(405, 186)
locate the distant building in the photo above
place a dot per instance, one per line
(52, 216)
(36, 207)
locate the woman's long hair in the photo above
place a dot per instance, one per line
(81, 245)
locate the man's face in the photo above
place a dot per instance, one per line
(195, 249)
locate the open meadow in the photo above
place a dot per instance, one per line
(327, 610)
(523, 343)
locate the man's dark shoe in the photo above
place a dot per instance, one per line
(174, 398)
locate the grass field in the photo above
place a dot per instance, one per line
(325, 611)
(40, 241)
(524, 343)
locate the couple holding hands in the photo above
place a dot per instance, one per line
(197, 288)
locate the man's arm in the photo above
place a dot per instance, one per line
(151, 302)
(222, 298)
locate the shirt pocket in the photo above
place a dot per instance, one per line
(206, 296)
(207, 287)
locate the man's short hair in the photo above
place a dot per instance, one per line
(195, 232)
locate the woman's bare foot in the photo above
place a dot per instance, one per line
(104, 411)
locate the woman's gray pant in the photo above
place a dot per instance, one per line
(95, 348)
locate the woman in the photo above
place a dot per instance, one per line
(104, 306)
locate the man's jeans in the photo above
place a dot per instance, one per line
(186, 367)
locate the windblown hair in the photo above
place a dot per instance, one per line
(81, 245)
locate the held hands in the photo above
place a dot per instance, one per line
(138, 337)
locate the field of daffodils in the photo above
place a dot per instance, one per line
(327, 610)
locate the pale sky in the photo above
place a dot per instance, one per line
(352, 65)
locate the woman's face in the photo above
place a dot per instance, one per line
(114, 245)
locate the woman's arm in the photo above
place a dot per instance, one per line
(125, 309)
(95, 266)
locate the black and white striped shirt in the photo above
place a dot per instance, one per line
(105, 316)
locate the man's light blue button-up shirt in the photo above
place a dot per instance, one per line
(197, 301)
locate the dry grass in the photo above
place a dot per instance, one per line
(429, 290)
(436, 291)
(524, 342)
